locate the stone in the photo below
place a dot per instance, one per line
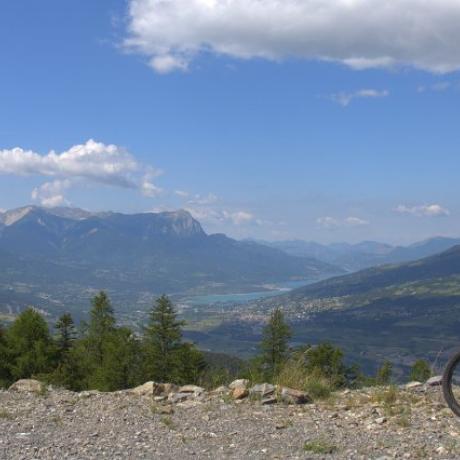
(175, 398)
(435, 381)
(191, 389)
(269, 400)
(412, 385)
(147, 389)
(167, 388)
(220, 390)
(240, 383)
(262, 390)
(381, 420)
(290, 396)
(240, 393)
(27, 386)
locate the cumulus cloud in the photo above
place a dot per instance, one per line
(358, 33)
(92, 162)
(181, 193)
(205, 200)
(344, 98)
(331, 223)
(429, 210)
(221, 216)
(51, 194)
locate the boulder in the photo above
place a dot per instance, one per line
(434, 381)
(290, 396)
(154, 389)
(166, 388)
(240, 393)
(27, 386)
(240, 383)
(191, 389)
(147, 389)
(269, 400)
(412, 385)
(262, 390)
(175, 398)
(220, 390)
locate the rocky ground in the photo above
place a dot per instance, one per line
(377, 423)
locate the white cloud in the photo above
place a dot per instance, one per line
(358, 33)
(221, 216)
(344, 98)
(51, 194)
(205, 200)
(181, 194)
(355, 221)
(239, 217)
(328, 222)
(429, 210)
(331, 223)
(92, 162)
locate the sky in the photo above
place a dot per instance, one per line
(324, 120)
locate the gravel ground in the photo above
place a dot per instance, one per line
(365, 424)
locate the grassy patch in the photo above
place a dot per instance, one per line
(168, 422)
(5, 415)
(320, 446)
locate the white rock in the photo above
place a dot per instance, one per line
(27, 386)
(240, 383)
(412, 385)
(434, 381)
(191, 389)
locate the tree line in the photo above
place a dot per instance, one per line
(101, 355)
(104, 356)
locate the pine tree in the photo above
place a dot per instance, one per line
(163, 342)
(101, 326)
(30, 346)
(122, 363)
(420, 371)
(66, 333)
(274, 345)
(384, 374)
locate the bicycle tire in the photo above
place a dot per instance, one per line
(454, 405)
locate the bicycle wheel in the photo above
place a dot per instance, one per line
(451, 383)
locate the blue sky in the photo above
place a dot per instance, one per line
(259, 136)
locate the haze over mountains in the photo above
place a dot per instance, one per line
(353, 257)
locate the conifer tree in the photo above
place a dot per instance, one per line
(122, 363)
(384, 374)
(66, 333)
(101, 326)
(30, 346)
(420, 371)
(163, 343)
(274, 345)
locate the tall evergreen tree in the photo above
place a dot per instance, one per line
(274, 345)
(66, 333)
(30, 346)
(122, 362)
(101, 326)
(163, 342)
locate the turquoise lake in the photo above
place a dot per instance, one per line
(240, 298)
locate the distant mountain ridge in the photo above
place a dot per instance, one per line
(354, 257)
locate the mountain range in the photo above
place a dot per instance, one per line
(60, 255)
(354, 257)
